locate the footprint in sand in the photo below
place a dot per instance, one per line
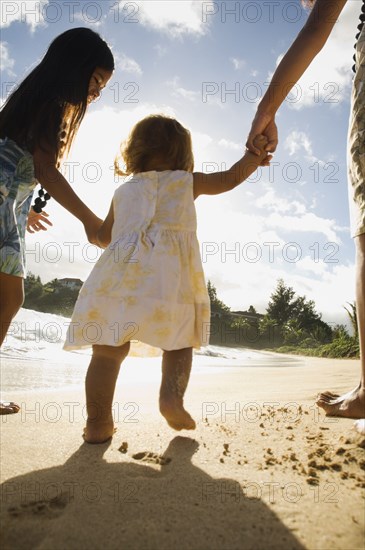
(152, 458)
(49, 508)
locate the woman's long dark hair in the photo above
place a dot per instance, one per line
(48, 106)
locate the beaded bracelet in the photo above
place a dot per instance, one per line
(41, 201)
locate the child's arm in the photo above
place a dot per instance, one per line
(104, 235)
(58, 187)
(220, 182)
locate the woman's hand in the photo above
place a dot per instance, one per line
(34, 222)
(263, 124)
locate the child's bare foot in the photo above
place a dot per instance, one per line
(349, 405)
(175, 414)
(98, 432)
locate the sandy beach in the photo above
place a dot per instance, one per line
(263, 470)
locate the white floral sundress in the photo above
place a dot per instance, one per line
(149, 284)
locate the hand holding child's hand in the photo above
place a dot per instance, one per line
(260, 142)
(263, 123)
(91, 228)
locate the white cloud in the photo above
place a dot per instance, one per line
(331, 290)
(270, 201)
(201, 142)
(308, 223)
(176, 19)
(31, 12)
(91, 15)
(310, 265)
(230, 145)
(7, 63)
(328, 79)
(179, 91)
(128, 65)
(296, 141)
(237, 63)
(161, 50)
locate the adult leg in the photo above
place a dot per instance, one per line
(100, 385)
(352, 404)
(11, 300)
(176, 368)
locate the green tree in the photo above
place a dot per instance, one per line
(33, 290)
(217, 305)
(53, 297)
(353, 318)
(296, 317)
(270, 333)
(304, 313)
(340, 331)
(279, 308)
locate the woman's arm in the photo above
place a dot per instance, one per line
(59, 188)
(104, 235)
(301, 53)
(220, 182)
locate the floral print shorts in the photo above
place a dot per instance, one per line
(17, 183)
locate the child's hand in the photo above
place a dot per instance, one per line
(260, 142)
(91, 228)
(34, 222)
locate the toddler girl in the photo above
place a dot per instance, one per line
(149, 282)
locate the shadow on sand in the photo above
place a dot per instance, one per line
(89, 503)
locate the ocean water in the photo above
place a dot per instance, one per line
(32, 357)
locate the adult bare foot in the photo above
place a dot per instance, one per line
(330, 396)
(349, 405)
(8, 407)
(175, 414)
(98, 432)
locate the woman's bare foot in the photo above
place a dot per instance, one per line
(175, 414)
(98, 432)
(8, 407)
(349, 405)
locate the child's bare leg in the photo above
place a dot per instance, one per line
(100, 385)
(11, 300)
(176, 367)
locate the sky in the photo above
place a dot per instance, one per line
(208, 64)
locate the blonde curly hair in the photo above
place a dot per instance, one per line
(156, 142)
